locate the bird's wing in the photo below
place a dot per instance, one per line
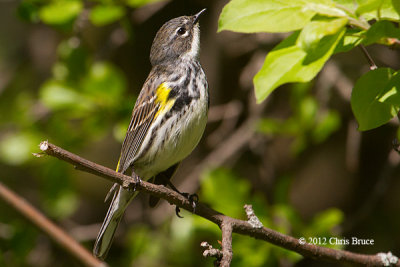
(150, 104)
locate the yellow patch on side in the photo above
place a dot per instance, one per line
(119, 160)
(162, 94)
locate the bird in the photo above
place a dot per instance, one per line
(168, 118)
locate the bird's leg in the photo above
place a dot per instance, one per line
(136, 180)
(193, 198)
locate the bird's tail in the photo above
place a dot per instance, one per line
(115, 212)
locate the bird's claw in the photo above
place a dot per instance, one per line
(137, 181)
(177, 211)
(193, 199)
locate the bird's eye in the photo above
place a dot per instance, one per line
(181, 31)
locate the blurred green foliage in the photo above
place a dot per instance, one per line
(82, 101)
(60, 12)
(309, 123)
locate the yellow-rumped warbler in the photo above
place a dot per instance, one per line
(168, 119)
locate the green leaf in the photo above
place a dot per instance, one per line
(312, 34)
(272, 15)
(105, 14)
(380, 32)
(385, 11)
(376, 98)
(60, 12)
(351, 39)
(288, 62)
(350, 5)
(368, 6)
(388, 11)
(396, 6)
(325, 8)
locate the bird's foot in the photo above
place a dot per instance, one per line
(193, 199)
(137, 181)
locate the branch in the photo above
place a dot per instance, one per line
(237, 226)
(223, 256)
(209, 251)
(52, 230)
(227, 254)
(372, 65)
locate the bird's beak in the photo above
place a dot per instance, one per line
(196, 17)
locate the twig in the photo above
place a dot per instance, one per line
(388, 258)
(253, 219)
(238, 226)
(227, 254)
(223, 256)
(53, 231)
(372, 65)
(209, 251)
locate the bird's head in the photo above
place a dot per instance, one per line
(177, 38)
